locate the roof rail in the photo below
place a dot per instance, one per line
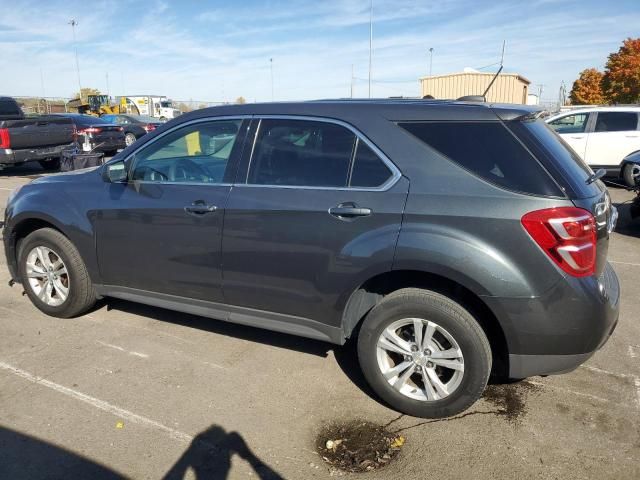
(473, 98)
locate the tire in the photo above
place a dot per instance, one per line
(52, 164)
(129, 139)
(450, 318)
(80, 295)
(630, 174)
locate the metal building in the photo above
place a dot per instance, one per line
(508, 87)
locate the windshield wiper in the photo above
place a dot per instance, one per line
(596, 176)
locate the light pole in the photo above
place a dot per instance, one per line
(73, 24)
(271, 64)
(370, 42)
(430, 61)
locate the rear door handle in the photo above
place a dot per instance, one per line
(199, 207)
(346, 211)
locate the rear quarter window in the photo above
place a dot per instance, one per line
(8, 107)
(488, 150)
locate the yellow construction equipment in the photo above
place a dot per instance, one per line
(97, 105)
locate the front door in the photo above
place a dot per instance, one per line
(162, 230)
(319, 213)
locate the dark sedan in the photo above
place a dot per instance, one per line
(135, 126)
(102, 136)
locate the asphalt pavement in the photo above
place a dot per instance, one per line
(140, 392)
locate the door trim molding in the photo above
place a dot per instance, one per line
(278, 322)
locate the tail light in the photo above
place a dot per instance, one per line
(149, 127)
(5, 140)
(567, 235)
(87, 130)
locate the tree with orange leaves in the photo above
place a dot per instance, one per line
(621, 81)
(586, 89)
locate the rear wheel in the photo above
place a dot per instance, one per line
(129, 138)
(631, 174)
(53, 275)
(424, 354)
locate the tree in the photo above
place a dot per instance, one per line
(621, 82)
(587, 88)
(85, 92)
(241, 100)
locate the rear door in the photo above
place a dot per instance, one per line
(316, 212)
(614, 136)
(573, 129)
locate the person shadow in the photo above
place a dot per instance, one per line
(209, 456)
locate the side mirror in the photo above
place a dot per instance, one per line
(115, 172)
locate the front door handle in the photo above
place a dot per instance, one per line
(199, 207)
(348, 211)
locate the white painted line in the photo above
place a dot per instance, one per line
(97, 403)
(7, 189)
(580, 394)
(637, 383)
(625, 263)
(116, 347)
(632, 350)
(607, 372)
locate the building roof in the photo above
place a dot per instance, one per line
(487, 74)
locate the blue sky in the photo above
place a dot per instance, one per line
(219, 50)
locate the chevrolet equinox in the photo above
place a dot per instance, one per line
(451, 240)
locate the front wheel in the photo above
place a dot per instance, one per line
(424, 354)
(53, 275)
(631, 174)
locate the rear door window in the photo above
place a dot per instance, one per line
(301, 153)
(369, 171)
(616, 122)
(488, 150)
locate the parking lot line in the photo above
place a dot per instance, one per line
(116, 347)
(97, 403)
(625, 263)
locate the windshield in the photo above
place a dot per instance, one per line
(165, 104)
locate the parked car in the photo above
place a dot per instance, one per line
(101, 135)
(39, 138)
(602, 136)
(135, 126)
(450, 240)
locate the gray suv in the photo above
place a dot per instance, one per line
(450, 240)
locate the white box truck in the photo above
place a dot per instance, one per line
(152, 105)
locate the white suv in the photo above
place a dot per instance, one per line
(602, 136)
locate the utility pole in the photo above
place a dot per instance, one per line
(370, 42)
(107, 77)
(271, 64)
(73, 24)
(430, 61)
(352, 80)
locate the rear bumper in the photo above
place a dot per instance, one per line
(560, 330)
(13, 157)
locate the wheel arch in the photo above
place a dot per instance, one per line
(372, 291)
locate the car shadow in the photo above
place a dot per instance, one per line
(25, 457)
(627, 225)
(30, 170)
(346, 355)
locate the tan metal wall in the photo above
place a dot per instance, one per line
(508, 88)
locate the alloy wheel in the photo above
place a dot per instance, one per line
(47, 276)
(420, 359)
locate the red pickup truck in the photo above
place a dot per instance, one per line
(25, 139)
